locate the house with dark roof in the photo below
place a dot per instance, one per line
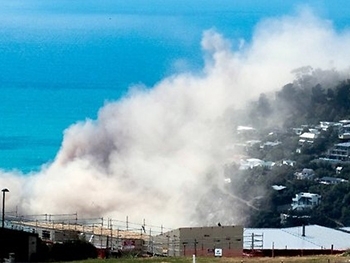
(331, 180)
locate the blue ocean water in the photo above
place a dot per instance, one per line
(33, 120)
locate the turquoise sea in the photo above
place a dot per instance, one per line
(33, 120)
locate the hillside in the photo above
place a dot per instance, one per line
(291, 149)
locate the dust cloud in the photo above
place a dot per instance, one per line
(159, 153)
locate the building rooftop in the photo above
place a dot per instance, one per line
(343, 144)
(307, 195)
(308, 135)
(316, 237)
(278, 187)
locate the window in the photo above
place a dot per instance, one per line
(45, 234)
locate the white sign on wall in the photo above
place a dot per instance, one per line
(218, 252)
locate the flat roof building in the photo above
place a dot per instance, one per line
(301, 240)
(226, 241)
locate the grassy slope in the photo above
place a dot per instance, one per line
(312, 259)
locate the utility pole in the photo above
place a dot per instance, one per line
(5, 190)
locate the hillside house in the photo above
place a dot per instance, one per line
(307, 137)
(305, 174)
(331, 180)
(344, 132)
(288, 162)
(324, 125)
(246, 131)
(251, 143)
(304, 201)
(344, 122)
(340, 152)
(338, 169)
(298, 131)
(269, 145)
(250, 163)
(253, 162)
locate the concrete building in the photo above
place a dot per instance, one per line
(22, 245)
(226, 241)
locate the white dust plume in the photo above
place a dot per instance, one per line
(155, 153)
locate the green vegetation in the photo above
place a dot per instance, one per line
(311, 259)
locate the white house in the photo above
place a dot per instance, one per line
(307, 137)
(250, 163)
(304, 201)
(288, 162)
(324, 125)
(338, 169)
(246, 130)
(253, 162)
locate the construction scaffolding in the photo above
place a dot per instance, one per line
(255, 243)
(116, 236)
